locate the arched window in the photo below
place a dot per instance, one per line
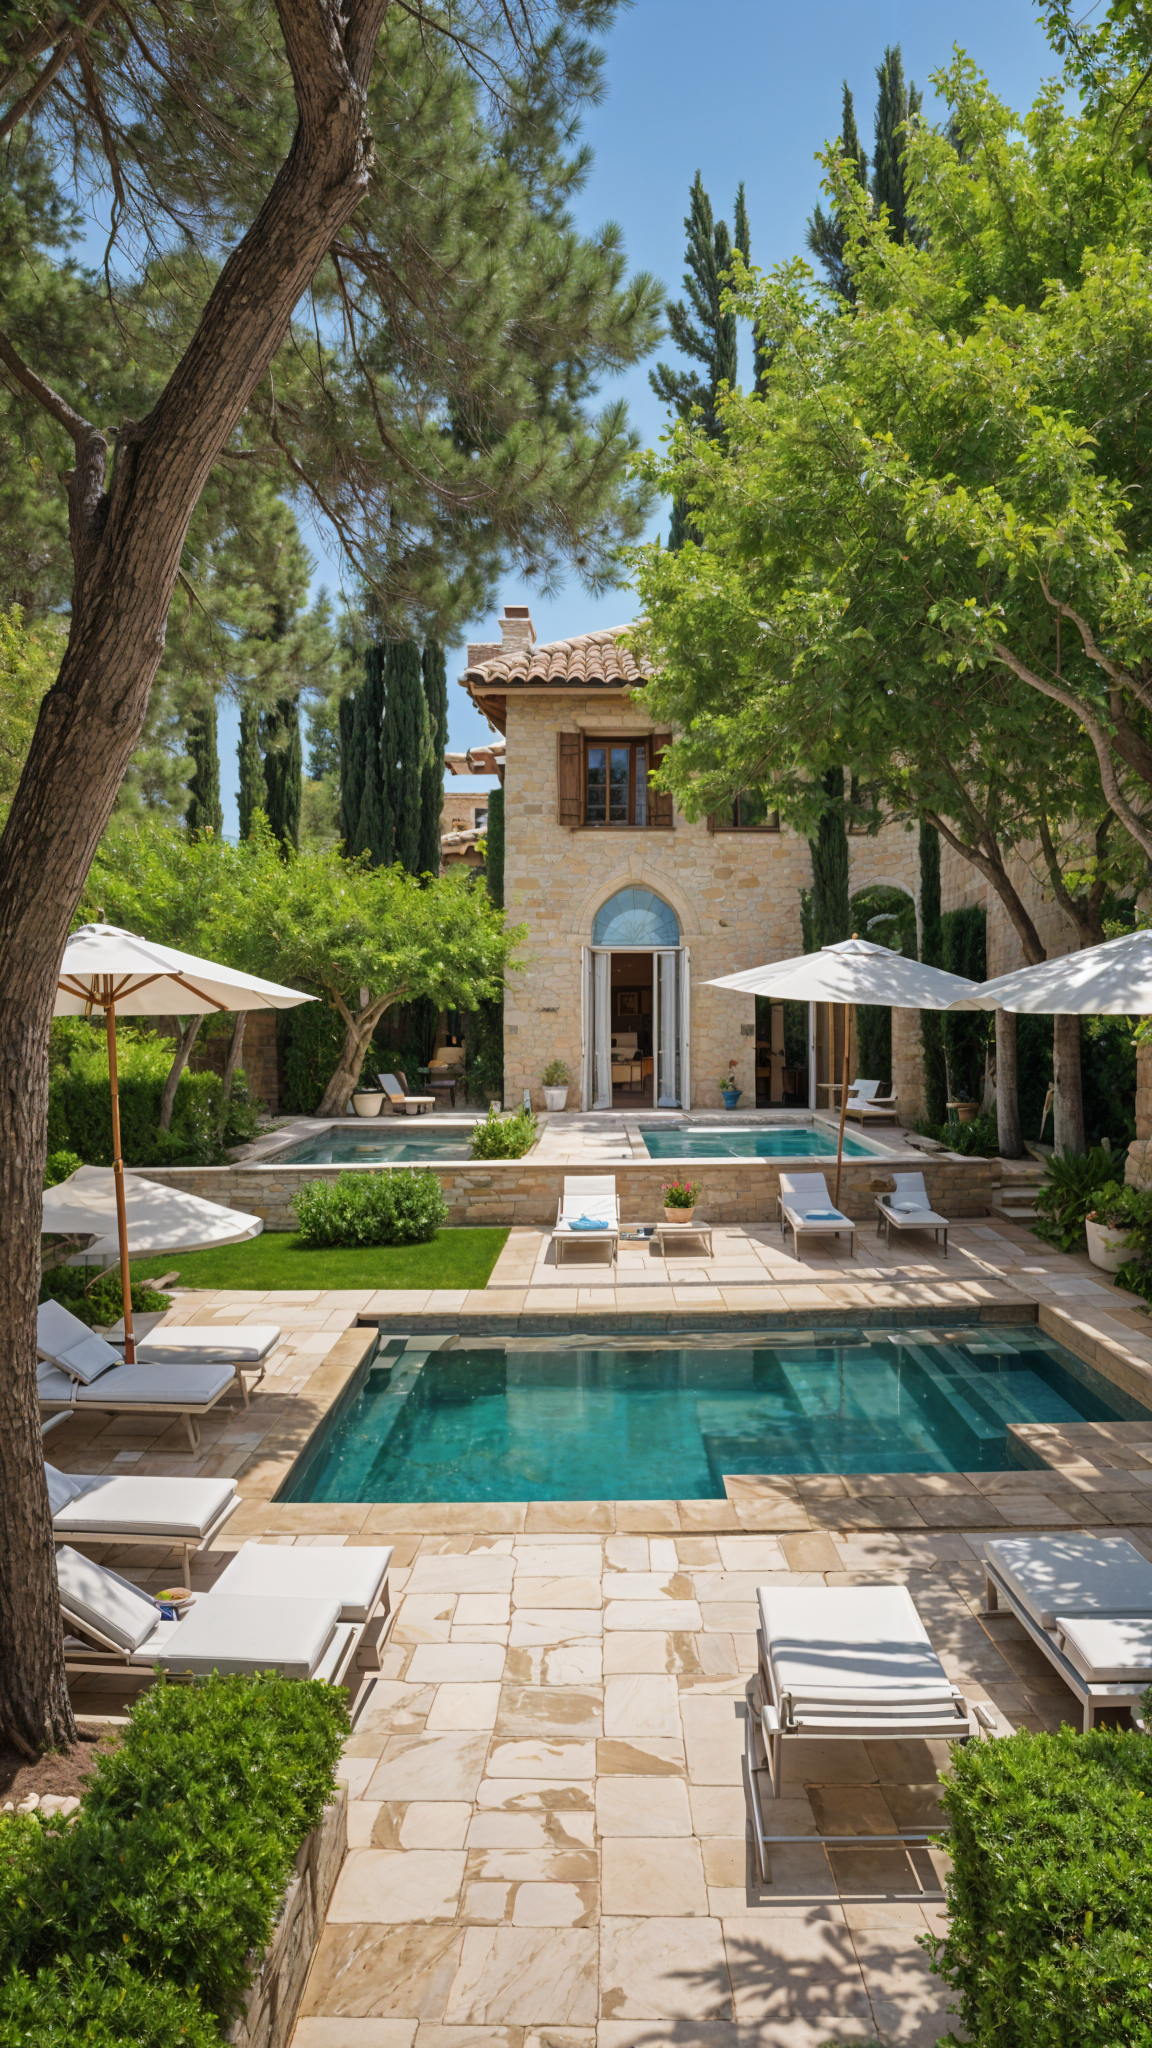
(635, 917)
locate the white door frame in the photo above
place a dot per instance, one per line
(588, 1022)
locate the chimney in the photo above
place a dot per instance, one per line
(517, 632)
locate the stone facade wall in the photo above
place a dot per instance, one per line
(260, 1061)
(499, 1191)
(908, 1064)
(273, 1999)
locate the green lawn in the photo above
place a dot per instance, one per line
(456, 1258)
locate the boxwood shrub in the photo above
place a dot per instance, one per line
(400, 1206)
(96, 2006)
(507, 1137)
(177, 1863)
(1050, 1891)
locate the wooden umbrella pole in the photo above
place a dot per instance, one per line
(843, 1103)
(118, 1180)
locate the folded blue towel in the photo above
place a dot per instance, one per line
(824, 1216)
(587, 1223)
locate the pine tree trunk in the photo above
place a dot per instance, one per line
(189, 1033)
(127, 539)
(1068, 1107)
(235, 1052)
(1009, 1135)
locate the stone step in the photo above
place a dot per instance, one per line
(1015, 1203)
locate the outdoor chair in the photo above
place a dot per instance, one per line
(908, 1208)
(804, 1204)
(80, 1370)
(446, 1073)
(867, 1104)
(110, 1624)
(845, 1664)
(1086, 1602)
(246, 1347)
(588, 1211)
(175, 1514)
(399, 1101)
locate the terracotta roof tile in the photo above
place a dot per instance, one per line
(589, 659)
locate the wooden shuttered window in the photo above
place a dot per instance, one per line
(570, 778)
(660, 800)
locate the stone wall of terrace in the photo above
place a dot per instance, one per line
(498, 1191)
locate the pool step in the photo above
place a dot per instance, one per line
(1015, 1196)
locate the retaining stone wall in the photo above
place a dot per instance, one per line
(499, 1191)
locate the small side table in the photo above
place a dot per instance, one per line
(694, 1229)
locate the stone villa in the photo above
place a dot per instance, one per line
(631, 909)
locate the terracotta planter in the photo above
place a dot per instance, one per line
(679, 1215)
(965, 1112)
(556, 1099)
(368, 1103)
(1106, 1247)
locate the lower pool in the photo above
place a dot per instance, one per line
(397, 1143)
(774, 1141)
(562, 1421)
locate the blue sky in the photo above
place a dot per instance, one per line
(737, 89)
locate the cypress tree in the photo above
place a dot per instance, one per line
(351, 770)
(284, 771)
(252, 794)
(895, 104)
(494, 862)
(435, 673)
(700, 329)
(373, 832)
(742, 240)
(829, 850)
(405, 745)
(203, 813)
(932, 951)
(826, 235)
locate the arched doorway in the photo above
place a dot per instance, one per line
(634, 1006)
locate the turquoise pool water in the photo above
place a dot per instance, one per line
(782, 1141)
(396, 1143)
(562, 1422)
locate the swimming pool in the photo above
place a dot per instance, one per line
(562, 1421)
(775, 1141)
(399, 1143)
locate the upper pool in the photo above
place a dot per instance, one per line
(565, 1421)
(397, 1143)
(746, 1141)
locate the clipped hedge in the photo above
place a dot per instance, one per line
(507, 1137)
(100, 2007)
(1050, 1891)
(401, 1206)
(177, 1863)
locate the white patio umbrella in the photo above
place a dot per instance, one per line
(119, 973)
(1112, 980)
(159, 1219)
(852, 971)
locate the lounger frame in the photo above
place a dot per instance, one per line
(1091, 1693)
(927, 1219)
(156, 1539)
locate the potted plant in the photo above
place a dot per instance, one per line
(367, 1101)
(1107, 1227)
(963, 1110)
(729, 1091)
(680, 1199)
(555, 1079)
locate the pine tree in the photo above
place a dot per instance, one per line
(826, 235)
(742, 240)
(405, 746)
(251, 760)
(830, 909)
(204, 813)
(895, 104)
(284, 771)
(435, 671)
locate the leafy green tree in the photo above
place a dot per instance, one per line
(204, 812)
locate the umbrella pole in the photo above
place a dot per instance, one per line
(843, 1104)
(118, 1181)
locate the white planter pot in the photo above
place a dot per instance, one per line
(1106, 1247)
(370, 1103)
(556, 1098)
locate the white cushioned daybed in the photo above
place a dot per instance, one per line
(185, 1514)
(78, 1370)
(1086, 1602)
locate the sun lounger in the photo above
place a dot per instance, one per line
(181, 1514)
(908, 1208)
(246, 1347)
(398, 1098)
(588, 1212)
(845, 1663)
(354, 1575)
(1086, 1602)
(80, 1370)
(110, 1624)
(804, 1204)
(867, 1104)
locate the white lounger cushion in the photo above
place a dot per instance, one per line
(146, 1386)
(355, 1577)
(64, 1486)
(248, 1344)
(65, 1341)
(1107, 1650)
(1072, 1575)
(224, 1634)
(108, 1603)
(849, 1643)
(138, 1506)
